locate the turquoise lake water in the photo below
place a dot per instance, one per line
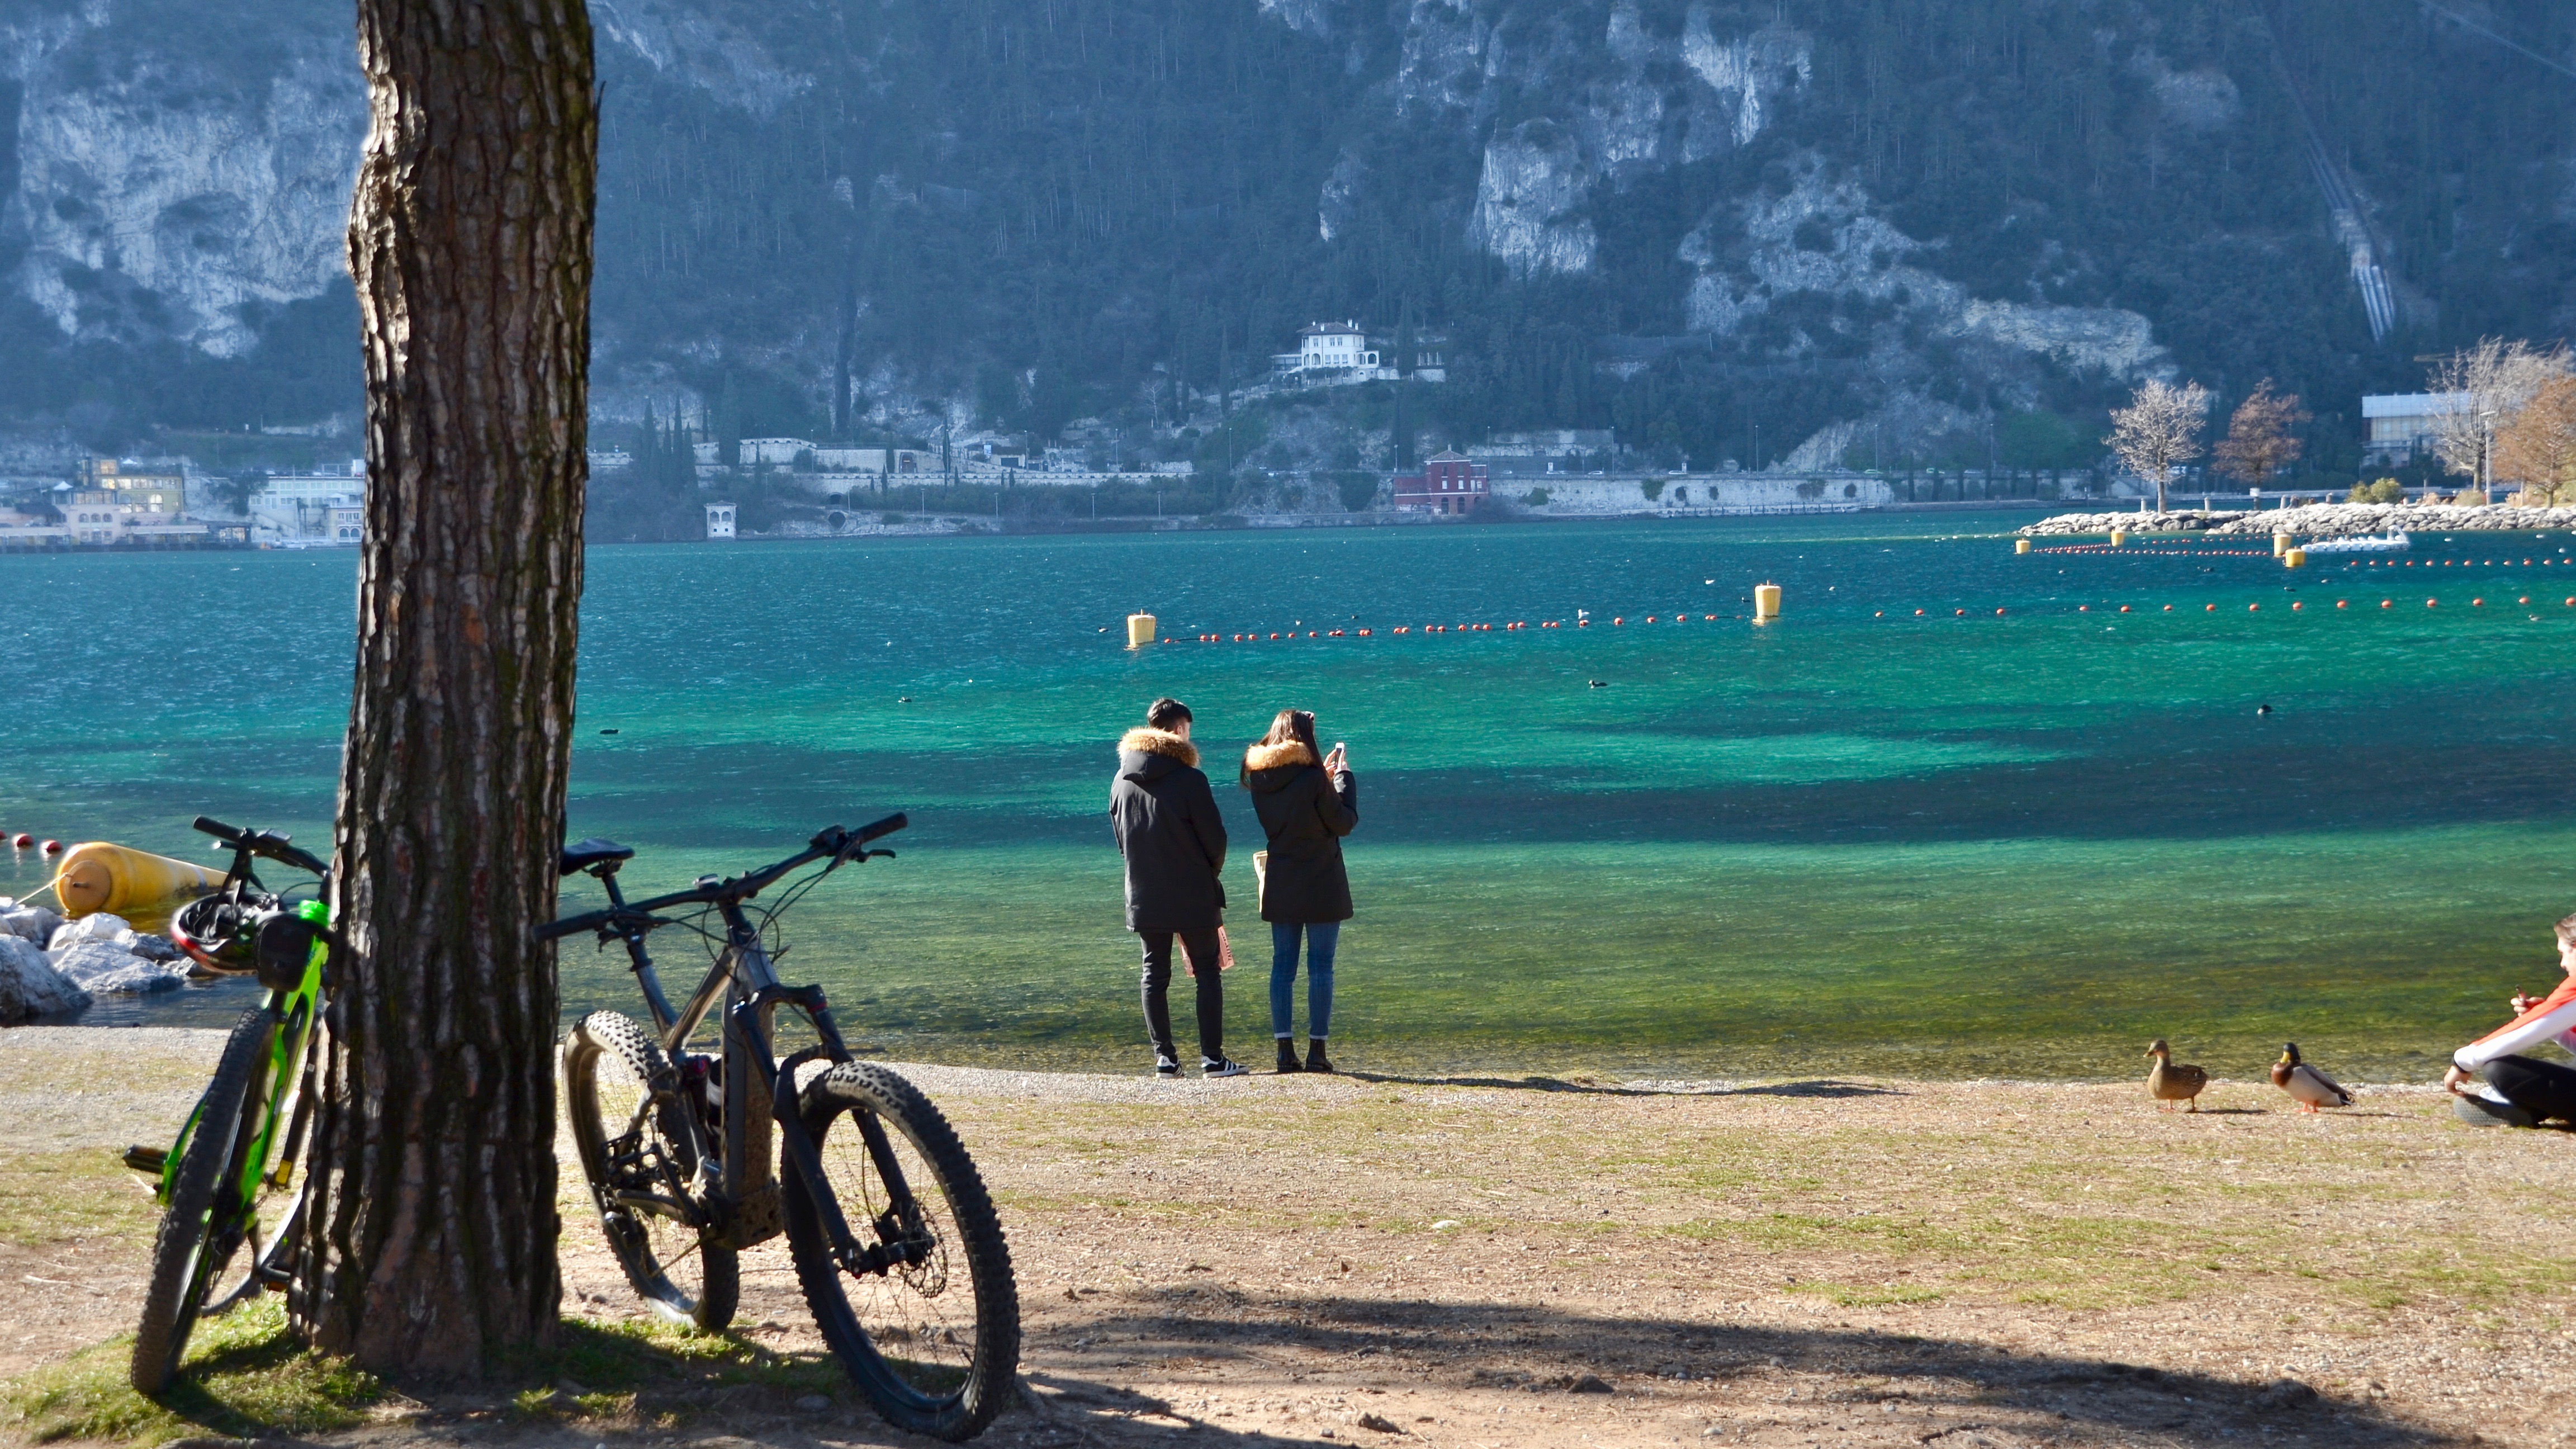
(1851, 841)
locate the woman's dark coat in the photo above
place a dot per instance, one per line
(1169, 831)
(1305, 813)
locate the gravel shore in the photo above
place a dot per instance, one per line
(1532, 1263)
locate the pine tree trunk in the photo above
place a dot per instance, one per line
(431, 1243)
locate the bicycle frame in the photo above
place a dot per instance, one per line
(285, 1092)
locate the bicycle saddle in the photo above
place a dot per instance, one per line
(582, 855)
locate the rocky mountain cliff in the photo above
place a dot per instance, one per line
(1919, 229)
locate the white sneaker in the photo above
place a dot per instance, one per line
(1222, 1067)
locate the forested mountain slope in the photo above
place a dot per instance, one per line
(1949, 226)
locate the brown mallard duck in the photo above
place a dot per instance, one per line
(2169, 1084)
(2308, 1086)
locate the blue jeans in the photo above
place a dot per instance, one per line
(1321, 938)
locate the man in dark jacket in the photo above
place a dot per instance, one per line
(1174, 841)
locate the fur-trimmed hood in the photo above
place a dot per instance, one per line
(1148, 745)
(1273, 757)
(1271, 768)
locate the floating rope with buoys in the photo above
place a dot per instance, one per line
(1514, 626)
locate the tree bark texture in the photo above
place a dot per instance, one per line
(431, 1241)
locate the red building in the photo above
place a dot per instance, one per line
(1448, 483)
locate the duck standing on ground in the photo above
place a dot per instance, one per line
(2169, 1084)
(2311, 1088)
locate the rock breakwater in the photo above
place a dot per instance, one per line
(49, 966)
(2316, 520)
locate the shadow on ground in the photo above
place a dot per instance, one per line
(1733, 1374)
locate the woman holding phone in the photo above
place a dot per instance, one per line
(1307, 802)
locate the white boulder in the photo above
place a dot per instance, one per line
(105, 966)
(97, 926)
(29, 984)
(32, 924)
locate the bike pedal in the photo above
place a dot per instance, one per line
(150, 1160)
(274, 1280)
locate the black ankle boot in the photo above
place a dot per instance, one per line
(1288, 1057)
(1315, 1061)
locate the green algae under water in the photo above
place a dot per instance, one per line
(1854, 841)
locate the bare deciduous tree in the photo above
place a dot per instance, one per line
(2262, 438)
(430, 1232)
(2159, 430)
(2492, 381)
(2538, 449)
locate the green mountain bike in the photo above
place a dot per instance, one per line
(230, 1178)
(896, 1244)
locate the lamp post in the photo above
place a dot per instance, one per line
(2486, 452)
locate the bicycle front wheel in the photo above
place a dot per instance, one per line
(933, 1341)
(629, 1124)
(201, 1224)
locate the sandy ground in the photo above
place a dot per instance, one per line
(1526, 1262)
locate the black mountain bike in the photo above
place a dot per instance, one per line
(896, 1244)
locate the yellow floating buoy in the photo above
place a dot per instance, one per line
(1140, 630)
(1766, 602)
(2119, 536)
(2021, 545)
(142, 887)
(2280, 544)
(2296, 558)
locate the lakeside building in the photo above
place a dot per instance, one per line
(143, 488)
(806, 457)
(1448, 483)
(720, 520)
(103, 517)
(2399, 426)
(309, 508)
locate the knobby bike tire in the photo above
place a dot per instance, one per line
(197, 1231)
(900, 1341)
(274, 1259)
(656, 1252)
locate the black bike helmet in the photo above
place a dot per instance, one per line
(209, 929)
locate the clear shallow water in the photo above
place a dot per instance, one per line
(1842, 842)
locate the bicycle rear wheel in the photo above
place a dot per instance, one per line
(629, 1124)
(202, 1223)
(934, 1342)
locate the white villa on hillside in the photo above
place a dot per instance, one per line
(1331, 352)
(1333, 347)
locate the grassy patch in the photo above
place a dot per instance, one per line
(615, 1362)
(244, 1376)
(1870, 1295)
(48, 1197)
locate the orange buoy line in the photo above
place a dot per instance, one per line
(23, 841)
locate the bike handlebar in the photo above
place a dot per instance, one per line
(839, 844)
(266, 843)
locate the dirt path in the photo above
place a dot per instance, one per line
(1555, 1263)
